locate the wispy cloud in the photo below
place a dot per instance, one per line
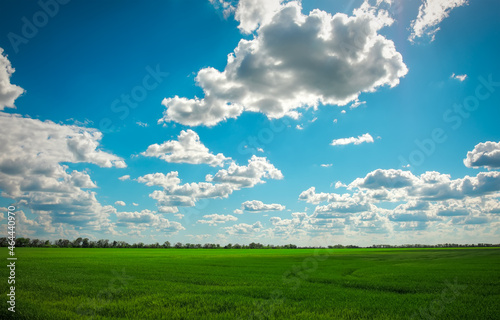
(430, 15)
(460, 77)
(352, 140)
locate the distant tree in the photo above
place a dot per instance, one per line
(77, 242)
(103, 243)
(166, 244)
(22, 242)
(35, 243)
(85, 243)
(178, 245)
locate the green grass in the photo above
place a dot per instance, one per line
(255, 284)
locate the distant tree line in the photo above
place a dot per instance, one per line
(105, 243)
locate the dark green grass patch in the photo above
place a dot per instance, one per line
(255, 284)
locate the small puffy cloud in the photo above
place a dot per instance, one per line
(278, 72)
(166, 181)
(311, 196)
(356, 104)
(227, 7)
(339, 184)
(340, 209)
(8, 92)
(120, 203)
(385, 179)
(299, 127)
(327, 165)
(125, 177)
(145, 220)
(247, 176)
(188, 149)
(238, 211)
(352, 140)
(430, 15)
(215, 219)
(244, 229)
(485, 154)
(135, 204)
(259, 206)
(459, 77)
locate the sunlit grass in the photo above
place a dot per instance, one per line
(255, 284)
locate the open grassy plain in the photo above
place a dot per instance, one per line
(65, 283)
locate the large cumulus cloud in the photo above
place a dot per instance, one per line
(294, 61)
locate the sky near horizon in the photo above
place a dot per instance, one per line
(314, 123)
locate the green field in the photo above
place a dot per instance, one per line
(255, 284)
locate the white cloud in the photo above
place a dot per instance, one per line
(299, 127)
(125, 177)
(220, 185)
(485, 154)
(142, 124)
(356, 104)
(170, 180)
(227, 7)
(277, 72)
(238, 211)
(188, 149)
(8, 92)
(292, 228)
(252, 13)
(430, 15)
(352, 140)
(120, 203)
(33, 169)
(244, 229)
(31, 153)
(135, 204)
(430, 201)
(311, 196)
(339, 184)
(247, 176)
(215, 219)
(459, 77)
(259, 206)
(146, 220)
(327, 165)
(430, 185)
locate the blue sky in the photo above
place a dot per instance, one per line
(312, 122)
